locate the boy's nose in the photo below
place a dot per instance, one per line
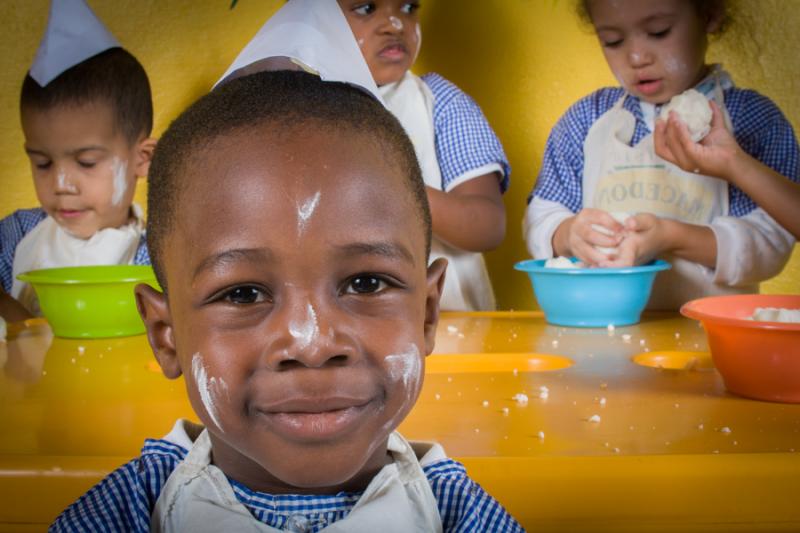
(390, 22)
(639, 56)
(64, 184)
(307, 338)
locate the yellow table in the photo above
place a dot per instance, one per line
(606, 444)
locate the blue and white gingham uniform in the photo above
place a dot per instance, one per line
(759, 127)
(18, 224)
(464, 139)
(125, 499)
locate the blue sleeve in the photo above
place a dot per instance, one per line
(123, 501)
(12, 229)
(561, 176)
(464, 139)
(463, 505)
(763, 132)
(142, 256)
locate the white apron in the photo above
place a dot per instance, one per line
(633, 179)
(199, 498)
(466, 285)
(48, 245)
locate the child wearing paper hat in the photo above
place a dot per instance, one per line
(299, 304)
(86, 113)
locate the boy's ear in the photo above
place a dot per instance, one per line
(144, 155)
(435, 284)
(154, 310)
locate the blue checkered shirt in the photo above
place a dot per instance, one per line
(464, 139)
(124, 501)
(759, 127)
(18, 224)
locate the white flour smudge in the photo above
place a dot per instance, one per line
(306, 331)
(63, 184)
(305, 211)
(120, 170)
(209, 389)
(396, 22)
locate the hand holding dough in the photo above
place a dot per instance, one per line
(620, 217)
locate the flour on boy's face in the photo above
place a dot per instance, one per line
(300, 276)
(82, 166)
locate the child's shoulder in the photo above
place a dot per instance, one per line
(123, 501)
(25, 218)
(589, 108)
(751, 111)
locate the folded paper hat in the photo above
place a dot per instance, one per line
(312, 35)
(73, 35)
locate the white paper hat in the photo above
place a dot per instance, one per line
(73, 35)
(313, 34)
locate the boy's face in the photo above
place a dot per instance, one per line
(655, 48)
(84, 170)
(388, 33)
(300, 305)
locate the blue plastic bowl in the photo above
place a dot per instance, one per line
(592, 297)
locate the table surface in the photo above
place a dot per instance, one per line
(628, 429)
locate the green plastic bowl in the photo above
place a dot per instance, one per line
(91, 301)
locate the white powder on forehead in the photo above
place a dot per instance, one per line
(209, 389)
(305, 331)
(119, 168)
(396, 22)
(306, 210)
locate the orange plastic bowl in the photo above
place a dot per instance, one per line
(758, 360)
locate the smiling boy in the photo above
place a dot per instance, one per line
(290, 231)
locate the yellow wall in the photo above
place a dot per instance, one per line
(524, 61)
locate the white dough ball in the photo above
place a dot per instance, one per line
(619, 216)
(776, 314)
(694, 110)
(561, 262)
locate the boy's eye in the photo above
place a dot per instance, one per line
(43, 165)
(612, 43)
(660, 33)
(365, 284)
(86, 164)
(364, 9)
(410, 7)
(244, 295)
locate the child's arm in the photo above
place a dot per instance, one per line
(472, 215)
(721, 156)
(10, 309)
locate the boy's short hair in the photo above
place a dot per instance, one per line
(113, 76)
(286, 99)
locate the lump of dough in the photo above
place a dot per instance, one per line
(619, 216)
(562, 262)
(776, 314)
(693, 109)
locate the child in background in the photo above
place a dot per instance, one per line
(463, 162)
(86, 114)
(302, 347)
(601, 158)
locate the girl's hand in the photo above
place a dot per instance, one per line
(579, 235)
(712, 156)
(644, 240)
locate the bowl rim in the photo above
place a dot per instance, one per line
(537, 266)
(40, 276)
(690, 310)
